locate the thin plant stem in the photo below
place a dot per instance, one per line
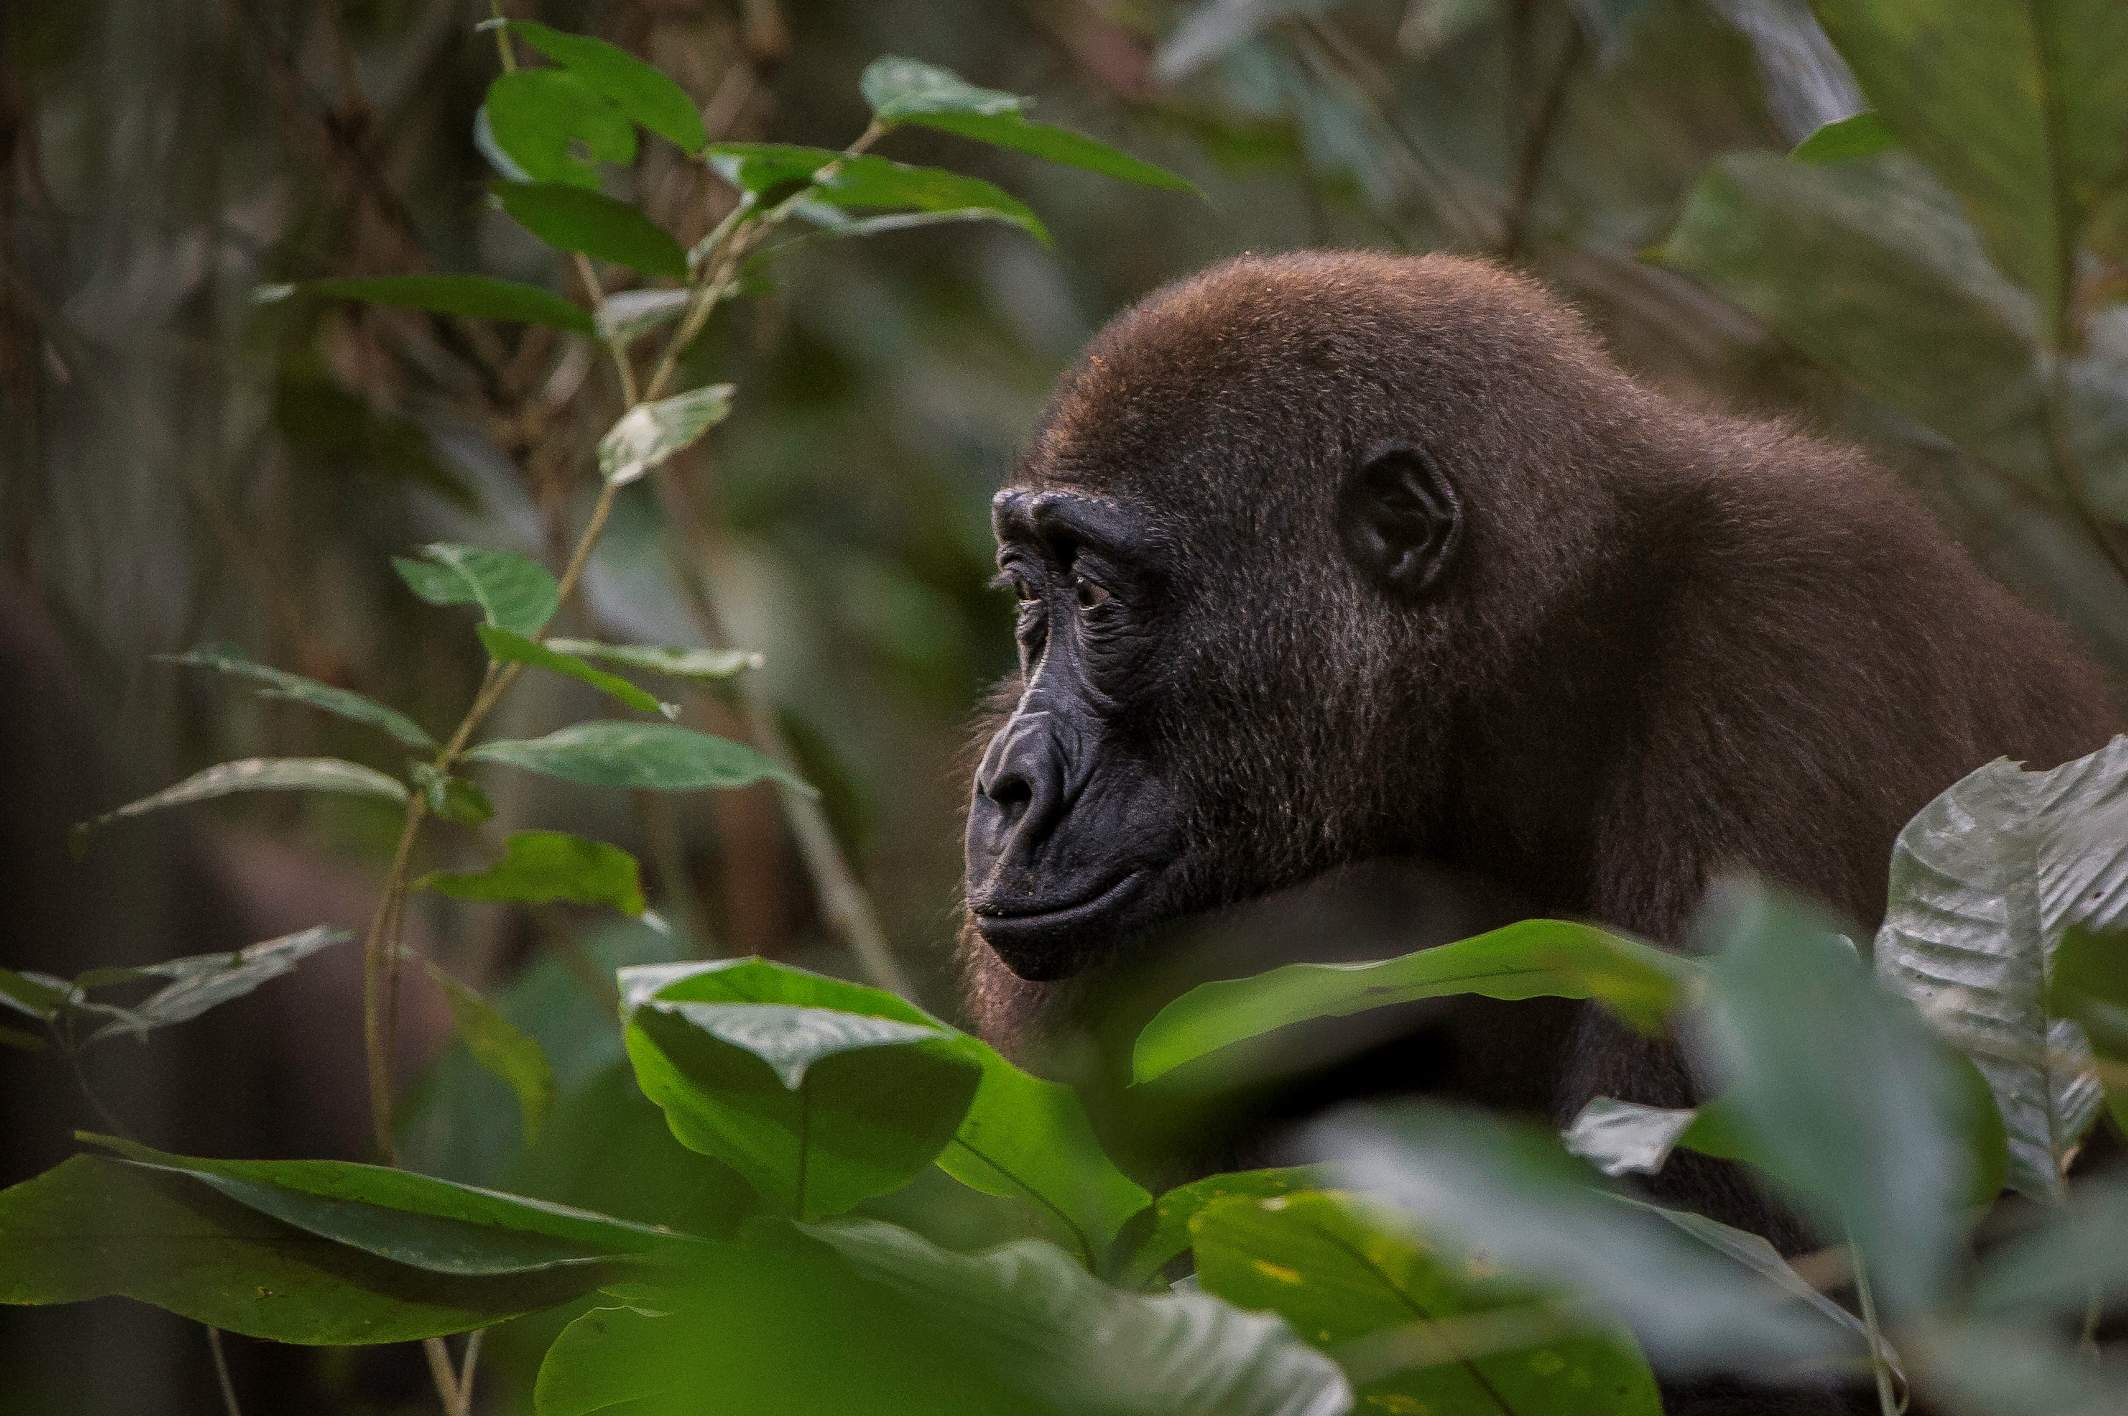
(221, 1372)
(446, 1380)
(1879, 1366)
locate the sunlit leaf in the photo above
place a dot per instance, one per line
(1624, 1137)
(549, 867)
(507, 648)
(642, 756)
(675, 662)
(513, 592)
(651, 434)
(474, 296)
(261, 774)
(502, 1049)
(281, 684)
(1863, 135)
(1160, 1233)
(541, 118)
(637, 89)
(571, 218)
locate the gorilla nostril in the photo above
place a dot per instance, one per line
(1011, 793)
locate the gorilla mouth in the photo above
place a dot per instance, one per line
(1034, 939)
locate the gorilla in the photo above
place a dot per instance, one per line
(1328, 558)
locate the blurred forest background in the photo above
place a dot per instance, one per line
(180, 464)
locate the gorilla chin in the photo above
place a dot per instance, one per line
(1045, 942)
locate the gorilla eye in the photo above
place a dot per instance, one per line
(1088, 594)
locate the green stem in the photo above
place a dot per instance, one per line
(221, 1372)
(1879, 1365)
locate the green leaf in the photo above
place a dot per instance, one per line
(1537, 958)
(541, 119)
(453, 798)
(1862, 135)
(502, 1049)
(1984, 881)
(571, 218)
(1862, 1116)
(259, 774)
(1697, 1294)
(628, 314)
(21, 1041)
(2019, 110)
(908, 91)
(477, 297)
(93, 1228)
(1023, 1137)
(2064, 1259)
(865, 182)
(1340, 1271)
(1624, 1137)
(818, 1109)
(34, 995)
(1160, 1232)
(2089, 986)
(550, 867)
(643, 756)
(637, 89)
(203, 981)
(507, 648)
(650, 434)
(514, 592)
(2012, 1369)
(702, 664)
(281, 684)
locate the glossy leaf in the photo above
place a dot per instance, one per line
(477, 297)
(1984, 882)
(700, 664)
(260, 774)
(281, 684)
(1863, 135)
(1160, 1233)
(642, 756)
(549, 867)
(1624, 1137)
(507, 648)
(513, 592)
(639, 90)
(571, 218)
(203, 981)
(651, 434)
(867, 182)
(1340, 1271)
(502, 1049)
(818, 1109)
(1537, 958)
(537, 118)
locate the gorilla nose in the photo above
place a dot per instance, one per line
(1019, 786)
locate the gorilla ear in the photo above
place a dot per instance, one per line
(1399, 518)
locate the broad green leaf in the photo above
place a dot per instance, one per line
(502, 1049)
(94, 1228)
(2011, 1368)
(2063, 1259)
(643, 756)
(1339, 1271)
(203, 981)
(907, 91)
(650, 434)
(628, 314)
(281, 684)
(260, 774)
(1863, 135)
(818, 1109)
(867, 182)
(539, 119)
(1537, 958)
(1023, 1137)
(452, 798)
(572, 218)
(507, 648)
(637, 89)
(1624, 1137)
(549, 867)
(674, 662)
(1511, 1193)
(1160, 1232)
(513, 592)
(1984, 881)
(2089, 986)
(2019, 109)
(1860, 1116)
(477, 297)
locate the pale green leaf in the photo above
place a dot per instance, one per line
(651, 434)
(347, 704)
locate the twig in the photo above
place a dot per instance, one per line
(1537, 145)
(221, 1372)
(447, 1387)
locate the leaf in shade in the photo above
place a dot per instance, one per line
(818, 1109)
(1160, 1233)
(48, 999)
(541, 118)
(1536, 958)
(1342, 1272)
(260, 774)
(640, 90)
(21, 1041)
(513, 592)
(866, 182)
(1984, 882)
(507, 648)
(2063, 1259)
(453, 798)
(1861, 135)
(477, 297)
(2089, 986)
(643, 756)
(345, 703)
(650, 434)
(550, 867)
(205, 981)
(2012, 1369)
(571, 218)
(1624, 1137)
(628, 314)
(502, 1049)
(675, 662)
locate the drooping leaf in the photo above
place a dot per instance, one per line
(502, 1049)
(1862, 135)
(477, 297)
(505, 647)
(1340, 1271)
(1160, 1233)
(549, 867)
(627, 314)
(513, 592)
(1537, 958)
(639, 90)
(347, 704)
(260, 774)
(453, 798)
(703, 664)
(203, 981)
(650, 434)
(539, 119)
(818, 1109)
(642, 756)
(573, 218)
(1984, 882)
(867, 182)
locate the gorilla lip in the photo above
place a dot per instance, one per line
(994, 917)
